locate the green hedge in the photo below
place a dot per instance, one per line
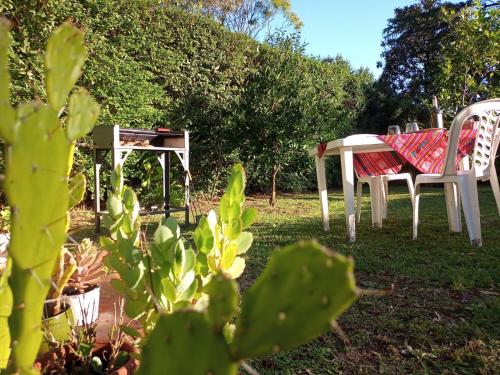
(152, 66)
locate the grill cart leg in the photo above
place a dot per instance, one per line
(166, 183)
(97, 189)
(186, 197)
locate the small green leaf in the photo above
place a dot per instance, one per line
(118, 285)
(185, 283)
(234, 229)
(244, 242)
(224, 208)
(168, 289)
(236, 269)
(77, 186)
(248, 217)
(131, 331)
(228, 256)
(114, 205)
(189, 293)
(117, 178)
(83, 112)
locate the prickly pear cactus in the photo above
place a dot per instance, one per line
(163, 280)
(5, 311)
(220, 243)
(224, 298)
(299, 294)
(39, 154)
(301, 291)
(185, 343)
(125, 250)
(174, 267)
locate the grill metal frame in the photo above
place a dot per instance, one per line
(119, 141)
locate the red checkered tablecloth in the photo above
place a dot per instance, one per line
(424, 150)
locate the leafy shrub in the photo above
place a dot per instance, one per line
(151, 65)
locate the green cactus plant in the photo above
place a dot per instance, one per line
(170, 276)
(160, 279)
(39, 155)
(5, 311)
(124, 246)
(303, 289)
(220, 243)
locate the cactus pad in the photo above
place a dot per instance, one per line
(5, 311)
(184, 343)
(64, 59)
(224, 298)
(303, 288)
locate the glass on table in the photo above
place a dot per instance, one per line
(393, 130)
(411, 127)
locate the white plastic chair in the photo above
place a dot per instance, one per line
(491, 172)
(463, 184)
(379, 191)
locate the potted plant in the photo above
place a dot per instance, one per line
(57, 314)
(84, 285)
(81, 356)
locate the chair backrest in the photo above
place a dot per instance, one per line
(486, 115)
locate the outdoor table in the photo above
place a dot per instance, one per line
(425, 150)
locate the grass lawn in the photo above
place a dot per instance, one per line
(440, 312)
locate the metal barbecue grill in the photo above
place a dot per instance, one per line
(121, 142)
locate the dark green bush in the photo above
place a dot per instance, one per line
(152, 66)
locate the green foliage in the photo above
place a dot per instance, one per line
(221, 242)
(161, 66)
(168, 276)
(469, 64)
(412, 43)
(77, 185)
(272, 317)
(6, 301)
(125, 253)
(244, 16)
(293, 103)
(445, 49)
(185, 343)
(39, 153)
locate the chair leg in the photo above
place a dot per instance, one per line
(470, 203)
(416, 198)
(376, 198)
(385, 197)
(411, 190)
(359, 193)
(453, 207)
(494, 186)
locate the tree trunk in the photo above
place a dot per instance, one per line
(272, 199)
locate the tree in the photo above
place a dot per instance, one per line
(244, 16)
(412, 44)
(441, 48)
(469, 66)
(292, 103)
